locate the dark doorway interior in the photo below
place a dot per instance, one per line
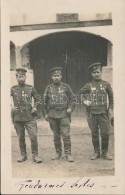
(12, 57)
(73, 51)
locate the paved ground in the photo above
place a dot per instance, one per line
(81, 151)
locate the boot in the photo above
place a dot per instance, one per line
(106, 156)
(36, 158)
(69, 158)
(58, 148)
(22, 158)
(95, 156)
(57, 156)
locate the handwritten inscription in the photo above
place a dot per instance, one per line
(30, 184)
(37, 185)
(80, 184)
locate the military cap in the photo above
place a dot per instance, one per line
(56, 70)
(21, 71)
(95, 66)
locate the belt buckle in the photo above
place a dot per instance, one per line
(24, 109)
(58, 108)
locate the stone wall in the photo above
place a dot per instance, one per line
(107, 74)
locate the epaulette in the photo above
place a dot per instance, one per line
(15, 86)
(48, 86)
(29, 85)
(106, 82)
(89, 83)
(65, 84)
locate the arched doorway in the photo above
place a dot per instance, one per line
(74, 51)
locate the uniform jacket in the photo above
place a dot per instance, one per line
(100, 94)
(22, 99)
(57, 99)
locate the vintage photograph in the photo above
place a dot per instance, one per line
(62, 93)
(61, 70)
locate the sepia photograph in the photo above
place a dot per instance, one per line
(61, 104)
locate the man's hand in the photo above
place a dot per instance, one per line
(14, 109)
(87, 103)
(46, 117)
(69, 110)
(33, 110)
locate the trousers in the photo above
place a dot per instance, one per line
(61, 128)
(31, 127)
(100, 122)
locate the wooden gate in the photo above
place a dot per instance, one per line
(73, 51)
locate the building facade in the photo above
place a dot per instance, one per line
(72, 41)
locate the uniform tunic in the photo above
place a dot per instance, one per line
(100, 94)
(23, 118)
(22, 98)
(57, 99)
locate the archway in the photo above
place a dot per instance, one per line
(74, 51)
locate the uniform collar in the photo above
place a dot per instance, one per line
(22, 85)
(57, 84)
(97, 80)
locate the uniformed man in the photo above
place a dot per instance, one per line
(58, 105)
(97, 96)
(23, 114)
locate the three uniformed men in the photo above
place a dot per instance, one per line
(58, 105)
(98, 99)
(23, 114)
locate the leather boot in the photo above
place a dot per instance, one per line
(36, 158)
(106, 156)
(95, 156)
(69, 158)
(57, 156)
(22, 158)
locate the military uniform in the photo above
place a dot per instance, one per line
(23, 118)
(57, 99)
(100, 93)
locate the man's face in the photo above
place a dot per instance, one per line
(56, 78)
(96, 75)
(21, 79)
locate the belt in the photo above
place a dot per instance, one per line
(24, 109)
(99, 104)
(58, 108)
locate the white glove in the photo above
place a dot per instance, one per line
(33, 110)
(87, 103)
(69, 110)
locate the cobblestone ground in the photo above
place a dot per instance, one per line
(81, 150)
